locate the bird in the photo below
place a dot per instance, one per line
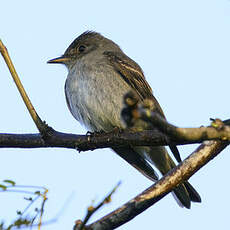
(100, 74)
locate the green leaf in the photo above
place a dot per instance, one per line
(19, 222)
(3, 187)
(10, 182)
(37, 193)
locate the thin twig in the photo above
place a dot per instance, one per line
(38, 122)
(29, 205)
(44, 195)
(91, 210)
(138, 114)
(216, 129)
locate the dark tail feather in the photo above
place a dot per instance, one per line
(193, 194)
(175, 152)
(185, 193)
(182, 196)
(137, 161)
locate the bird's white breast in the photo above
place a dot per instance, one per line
(95, 96)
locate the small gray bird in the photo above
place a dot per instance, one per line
(100, 74)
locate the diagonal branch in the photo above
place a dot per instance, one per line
(80, 225)
(37, 120)
(201, 156)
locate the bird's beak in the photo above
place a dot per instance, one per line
(59, 60)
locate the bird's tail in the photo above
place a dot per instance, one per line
(183, 193)
(138, 157)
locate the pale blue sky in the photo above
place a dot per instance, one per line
(183, 48)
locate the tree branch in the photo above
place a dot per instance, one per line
(86, 142)
(37, 120)
(80, 225)
(121, 138)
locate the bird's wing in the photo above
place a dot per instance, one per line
(132, 74)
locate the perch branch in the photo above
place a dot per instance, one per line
(123, 138)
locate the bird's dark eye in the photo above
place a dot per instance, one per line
(81, 48)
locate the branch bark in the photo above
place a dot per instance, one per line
(173, 136)
(88, 142)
